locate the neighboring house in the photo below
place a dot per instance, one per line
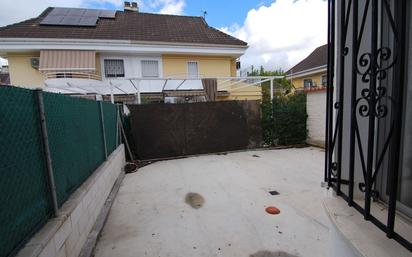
(69, 46)
(369, 129)
(311, 72)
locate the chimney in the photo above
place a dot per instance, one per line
(131, 6)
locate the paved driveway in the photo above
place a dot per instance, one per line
(214, 205)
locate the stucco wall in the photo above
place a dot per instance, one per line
(98, 64)
(132, 64)
(209, 66)
(316, 109)
(316, 78)
(21, 72)
(242, 91)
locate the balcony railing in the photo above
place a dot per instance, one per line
(73, 75)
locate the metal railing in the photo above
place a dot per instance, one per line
(133, 86)
(73, 75)
(369, 91)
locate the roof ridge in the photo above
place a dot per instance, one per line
(305, 59)
(159, 14)
(226, 34)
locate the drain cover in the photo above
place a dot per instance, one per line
(273, 192)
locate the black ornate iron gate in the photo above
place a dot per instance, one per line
(366, 61)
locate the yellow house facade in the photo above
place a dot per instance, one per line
(317, 79)
(184, 48)
(311, 72)
(23, 74)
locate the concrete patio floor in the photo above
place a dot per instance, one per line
(152, 213)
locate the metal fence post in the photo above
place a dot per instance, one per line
(103, 128)
(45, 139)
(271, 89)
(117, 126)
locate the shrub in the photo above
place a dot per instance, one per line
(284, 120)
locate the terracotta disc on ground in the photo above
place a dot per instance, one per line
(272, 210)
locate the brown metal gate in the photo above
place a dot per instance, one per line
(166, 130)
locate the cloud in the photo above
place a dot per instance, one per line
(166, 6)
(173, 7)
(282, 34)
(12, 11)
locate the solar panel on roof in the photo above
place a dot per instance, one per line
(59, 11)
(76, 12)
(87, 21)
(76, 16)
(70, 20)
(91, 12)
(51, 20)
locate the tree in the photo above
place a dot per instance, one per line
(281, 86)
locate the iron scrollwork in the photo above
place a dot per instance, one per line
(373, 99)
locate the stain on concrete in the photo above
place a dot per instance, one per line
(272, 254)
(195, 200)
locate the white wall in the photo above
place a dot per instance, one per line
(316, 110)
(132, 64)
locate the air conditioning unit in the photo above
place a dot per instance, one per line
(35, 62)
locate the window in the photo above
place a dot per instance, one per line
(150, 68)
(113, 68)
(192, 69)
(324, 80)
(307, 83)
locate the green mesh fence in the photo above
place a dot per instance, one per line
(24, 196)
(76, 144)
(75, 139)
(110, 118)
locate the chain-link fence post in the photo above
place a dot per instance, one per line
(103, 128)
(45, 139)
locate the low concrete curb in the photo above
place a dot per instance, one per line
(88, 247)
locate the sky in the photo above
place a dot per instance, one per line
(280, 33)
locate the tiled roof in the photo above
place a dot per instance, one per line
(127, 25)
(317, 58)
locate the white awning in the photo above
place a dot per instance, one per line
(67, 60)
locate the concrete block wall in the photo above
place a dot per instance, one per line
(65, 235)
(316, 110)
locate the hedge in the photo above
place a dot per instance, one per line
(284, 120)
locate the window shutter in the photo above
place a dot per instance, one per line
(113, 68)
(192, 70)
(150, 69)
